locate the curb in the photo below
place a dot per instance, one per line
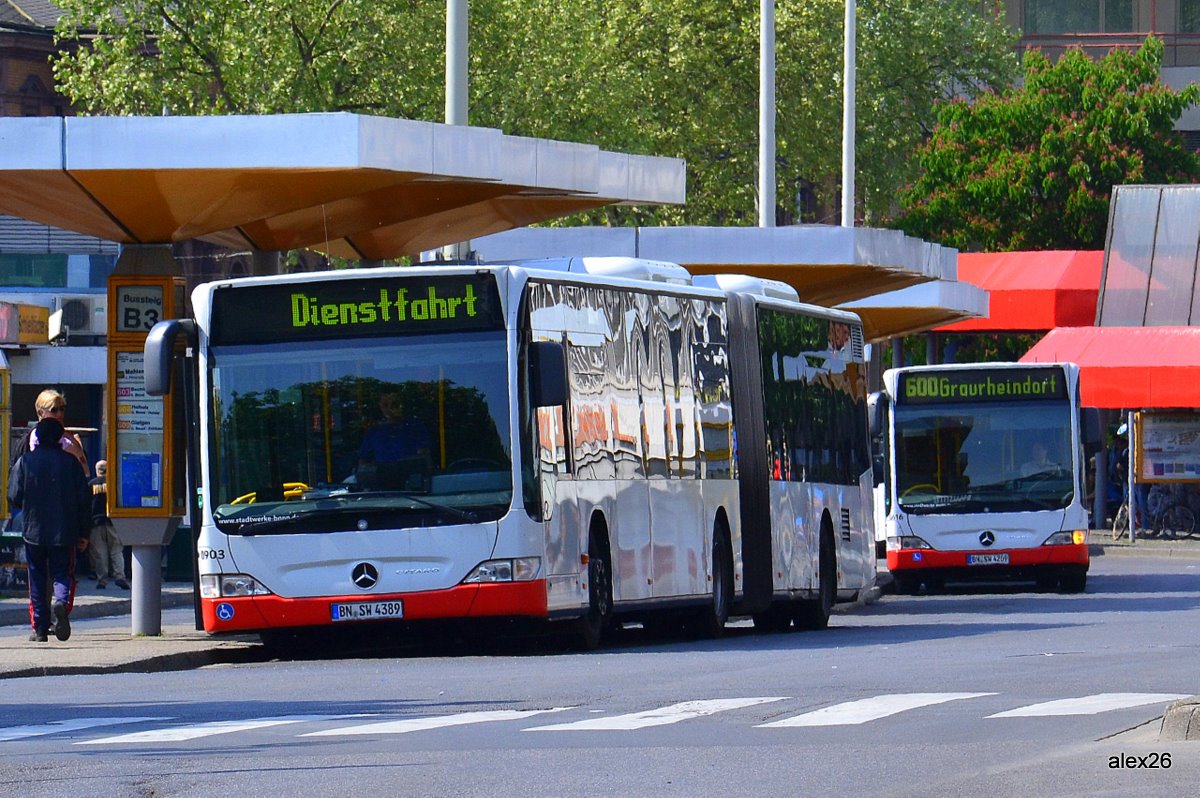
(1181, 721)
(1178, 549)
(186, 660)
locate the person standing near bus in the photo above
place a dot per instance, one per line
(108, 554)
(51, 491)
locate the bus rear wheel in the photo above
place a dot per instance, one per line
(814, 613)
(709, 622)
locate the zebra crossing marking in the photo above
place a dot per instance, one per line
(843, 714)
(1088, 705)
(59, 726)
(179, 734)
(851, 713)
(436, 722)
(657, 717)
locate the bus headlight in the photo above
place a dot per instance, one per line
(230, 585)
(521, 569)
(1075, 537)
(906, 542)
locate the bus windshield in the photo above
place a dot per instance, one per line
(983, 457)
(321, 436)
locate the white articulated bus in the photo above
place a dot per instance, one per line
(580, 440)
(985, 474)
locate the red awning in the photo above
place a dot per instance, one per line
(1128, 367)
(1030, 291)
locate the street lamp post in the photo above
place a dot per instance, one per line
(848, 120)
(456, 90)
(766, 114)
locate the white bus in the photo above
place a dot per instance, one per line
(579, 440)
(985, 474)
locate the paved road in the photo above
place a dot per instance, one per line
(974, 693)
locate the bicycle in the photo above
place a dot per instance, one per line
(1120, 524)
(1169, 516)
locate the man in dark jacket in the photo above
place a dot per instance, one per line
(51, 490)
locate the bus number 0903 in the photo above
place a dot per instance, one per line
(212, 554)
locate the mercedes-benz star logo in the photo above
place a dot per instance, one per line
(987, 538)
(364, 575)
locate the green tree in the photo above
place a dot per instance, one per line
(1033, 167)
(669, 77)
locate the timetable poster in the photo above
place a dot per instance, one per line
(1169, 447)
(139, 432)
(141, 479)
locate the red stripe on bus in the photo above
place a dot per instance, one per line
(918, 559)
(463, 601)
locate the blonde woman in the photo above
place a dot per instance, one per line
(52, 404)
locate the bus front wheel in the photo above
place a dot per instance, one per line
(1073, 579)
(592, 626)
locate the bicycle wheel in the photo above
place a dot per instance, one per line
(1120, 527)
(1180, 520)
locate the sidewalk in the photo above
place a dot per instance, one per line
(112, 648)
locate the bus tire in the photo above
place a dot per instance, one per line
(814, 613)
(289, 643)
(906, 584)
(709, 622)
(592, 626)
(1073, 579)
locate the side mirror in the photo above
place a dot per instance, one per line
(876, 404)
(877, 429)
(547, 373)
(878, 468)
(159, 352)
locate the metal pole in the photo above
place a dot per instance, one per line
(456, 62)
(766, 114)
(848, 118)
(456, 90)
(1132, 485)
(146, 596)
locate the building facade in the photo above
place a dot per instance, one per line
(1097, 26)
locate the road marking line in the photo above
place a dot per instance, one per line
(1088, 705)
(867, 709)
(75, 724)
(439, 722)
(199, 730)
(657, 717)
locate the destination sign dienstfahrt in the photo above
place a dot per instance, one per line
(355, 308)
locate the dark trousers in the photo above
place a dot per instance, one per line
(49, 564)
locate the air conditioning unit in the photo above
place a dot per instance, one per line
(82, 314)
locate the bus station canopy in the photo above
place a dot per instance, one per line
(1032, 291)
(349, 185)
(918, 308)
(1128, 367)
(827, 265)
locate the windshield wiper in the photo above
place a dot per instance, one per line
(416, 497)
(281, 523)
